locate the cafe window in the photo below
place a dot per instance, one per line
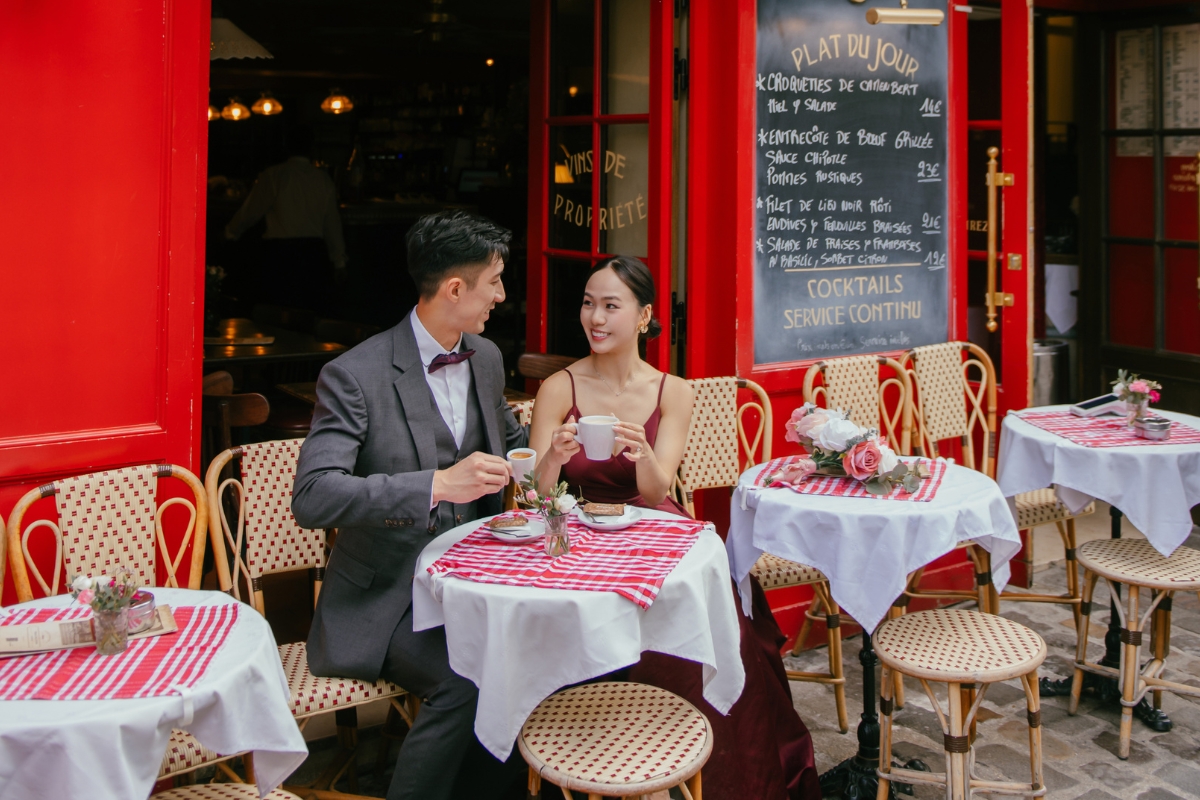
(605, 139)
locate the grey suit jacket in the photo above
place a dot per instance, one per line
(367, 468)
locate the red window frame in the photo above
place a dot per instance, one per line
(658, 118)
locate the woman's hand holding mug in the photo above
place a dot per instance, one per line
(563, 445)
(632, 436)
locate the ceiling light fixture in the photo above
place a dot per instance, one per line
(905, 15)
(235, 111)
(337, 103)
(490, 62)
(214, 113)
(229, 41)
(267, 105)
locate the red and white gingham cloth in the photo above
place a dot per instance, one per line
(150, 667)
(633, 562)
(1103, 431)
(838, 486)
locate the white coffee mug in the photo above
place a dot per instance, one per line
(597, 437)
(521, 462)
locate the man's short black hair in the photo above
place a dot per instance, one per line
(453, 242)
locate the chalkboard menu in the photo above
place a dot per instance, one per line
(850, 186)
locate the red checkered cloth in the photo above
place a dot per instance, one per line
(1103, 431)
(150, 667)
(838, 486)
(633, 562)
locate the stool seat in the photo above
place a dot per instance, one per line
(1136, 561)
(1041, 507)
(774, 572)
(222, 791)
(958, 646)
(615, 739)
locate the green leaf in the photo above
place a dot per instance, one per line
(911, 483)
(877, 486)
(899, 472)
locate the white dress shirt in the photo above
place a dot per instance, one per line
(299, 201)
(450, 385)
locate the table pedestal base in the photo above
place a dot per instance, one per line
(1107, 689)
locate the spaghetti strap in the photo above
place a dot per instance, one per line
(661, 385)
(572, 377)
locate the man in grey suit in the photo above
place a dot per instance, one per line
(408, 440)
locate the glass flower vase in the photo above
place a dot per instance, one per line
(557, 539)
(111, 629)
(1135, 410)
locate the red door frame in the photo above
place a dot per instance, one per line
(108, 169)
(658, 239)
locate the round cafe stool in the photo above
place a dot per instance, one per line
(615, 739)
(222, 791)
(961, 649)
(1135, 563)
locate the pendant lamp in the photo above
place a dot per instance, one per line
(229, 41)
(337, 103)
(235, 111)
(214, 113)
(267, 105)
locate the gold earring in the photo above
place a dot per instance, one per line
(643, 328)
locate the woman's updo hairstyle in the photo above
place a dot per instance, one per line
(636, 275)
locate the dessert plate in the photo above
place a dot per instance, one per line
(632, 514)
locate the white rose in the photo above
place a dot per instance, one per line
(887, 459)
(565, 503)
(80, 583)
(835, 433)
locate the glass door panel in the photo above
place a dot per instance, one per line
(1131, 168)
(1181, 323)
(624, 201)
(572, 43)
(1179, 198)
(626, 84)
(1131, 295)
(570, 173)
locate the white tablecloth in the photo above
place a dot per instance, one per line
(113, 748)
(520, 645)
(1154, 485)
(868, 547)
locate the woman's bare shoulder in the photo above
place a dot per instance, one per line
(677, 395)
(555, 390)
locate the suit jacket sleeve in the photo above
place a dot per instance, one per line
(326, 492)
(515, 434)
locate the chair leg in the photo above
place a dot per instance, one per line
(1072, 567)
(1160, 636)
(1081, 635)
(694, 786)
(833, 628)
(535, 784)
(885, 734)
(957, 776)
(1129, 671)
(806, 626)
(895, 612)
(1033, 704)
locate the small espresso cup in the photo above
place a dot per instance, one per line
(597, 437)
(521, 462)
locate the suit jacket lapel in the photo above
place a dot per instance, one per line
(415, 397)
(487, 405)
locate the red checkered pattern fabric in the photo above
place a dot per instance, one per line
(1103, 431)
(849, 487)
(151, 667)
(633, 562)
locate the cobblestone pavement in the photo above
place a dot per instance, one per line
(1079, 752)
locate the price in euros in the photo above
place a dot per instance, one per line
(929, 172)
(931, 223)
(935, 260)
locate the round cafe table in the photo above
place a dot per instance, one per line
(520, 644)
(113, 748)
(867, 548)
(1155, 485)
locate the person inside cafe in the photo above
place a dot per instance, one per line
(302, 249)
(762, 749)
(408, 440)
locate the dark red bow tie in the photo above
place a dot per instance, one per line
(449, 358)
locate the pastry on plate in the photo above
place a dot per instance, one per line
(605, 509)
(516, 521)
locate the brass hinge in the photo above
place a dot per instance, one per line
(1003, 179)
(1002, 299)
(1014, 261)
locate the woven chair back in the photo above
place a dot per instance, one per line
(263, 535)
(870, 399)
(107, 521)
(719, 444)
(954, 389)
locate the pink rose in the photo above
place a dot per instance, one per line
(531, 496)
(862, 461)
(798, 471)
(810, 423)
(86, 597)
(1139, 387)
(797, 415)
(1153, 396)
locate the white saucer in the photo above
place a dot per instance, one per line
(525, 533)
(632, 514)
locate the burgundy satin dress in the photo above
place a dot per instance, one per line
(761, 749)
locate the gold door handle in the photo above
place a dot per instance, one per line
(995, 180)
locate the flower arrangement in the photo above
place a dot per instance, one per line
(837, 446)
(109, 593)
(551, 503)
(1135, 391)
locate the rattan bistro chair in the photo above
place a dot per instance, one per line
(869, 398)
(954, 384)
(1135, 563)
(959, 648)
(108, 520)
(222, 791)
(615, 739)
(718, 450)
(265, 539)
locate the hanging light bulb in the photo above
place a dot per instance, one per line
(337, 103)
(235, 110)
(267, 105)
(214, 113)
